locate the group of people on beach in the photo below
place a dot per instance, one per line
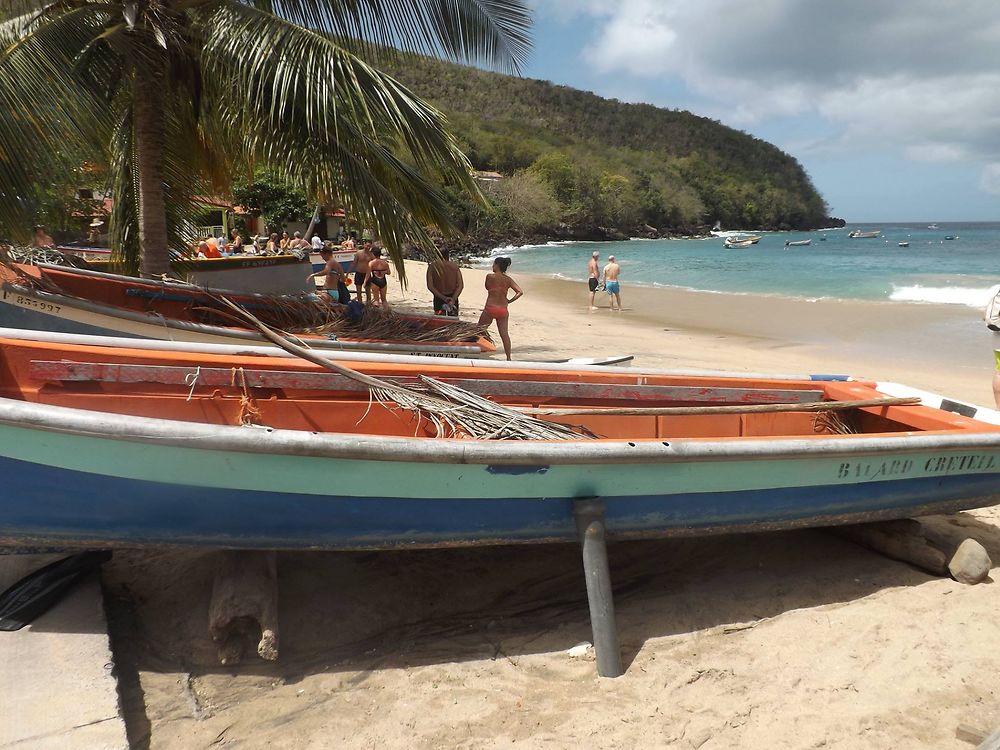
(219, 247)
(606, 278)
(371, 273)
(444, 282)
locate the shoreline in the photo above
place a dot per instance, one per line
(940, 348)
(786, 639)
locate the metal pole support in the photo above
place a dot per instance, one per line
(589, 514)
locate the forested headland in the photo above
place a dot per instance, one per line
(576, 165)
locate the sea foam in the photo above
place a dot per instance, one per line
(941, 295)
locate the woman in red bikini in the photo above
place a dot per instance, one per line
(498, 284)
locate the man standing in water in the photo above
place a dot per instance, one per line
(611, 284)
(444, 282)
(594, 274)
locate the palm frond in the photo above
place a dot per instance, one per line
(494, 33)
(46, 119)
(331, 122)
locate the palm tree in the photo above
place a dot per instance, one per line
(174, 96)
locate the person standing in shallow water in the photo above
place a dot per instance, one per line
(611, 283)
(594, 273)
(498, 284)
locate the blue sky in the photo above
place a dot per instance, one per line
(892, 107)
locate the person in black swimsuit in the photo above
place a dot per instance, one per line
(376, 279)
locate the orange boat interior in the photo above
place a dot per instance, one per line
(288, 393)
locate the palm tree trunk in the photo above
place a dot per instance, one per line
(150, 137)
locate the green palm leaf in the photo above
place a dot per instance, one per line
(217, 86)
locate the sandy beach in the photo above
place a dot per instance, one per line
(783, 640)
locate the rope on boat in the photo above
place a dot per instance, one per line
(191, 379)
(453, 412)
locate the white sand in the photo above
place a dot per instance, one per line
(791, 640)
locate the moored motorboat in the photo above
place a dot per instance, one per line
(732, 243)
(268, 452)
(951, 237)
(797, 243)
(904, 243)
(857, 234)
(83, 301)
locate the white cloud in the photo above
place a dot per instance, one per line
(989, 180)
(919, 76)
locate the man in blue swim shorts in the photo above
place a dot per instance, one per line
(334, 276)
(611, 283)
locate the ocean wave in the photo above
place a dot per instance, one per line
(507, 249)
(941, 295)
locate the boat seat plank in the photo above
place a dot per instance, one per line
(221, 376)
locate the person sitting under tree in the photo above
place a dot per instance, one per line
(42, 238)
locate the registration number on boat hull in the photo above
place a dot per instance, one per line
(30, 303)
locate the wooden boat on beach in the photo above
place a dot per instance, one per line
(268, 274)
(198, 445)
(47, 297)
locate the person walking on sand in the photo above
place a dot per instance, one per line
(611, 283)
(594, 273)
(376, 280)
(362, 261)
(498, 283)
(445, 283)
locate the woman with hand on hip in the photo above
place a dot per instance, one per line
(498, 283)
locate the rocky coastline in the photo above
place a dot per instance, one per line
(466, 247)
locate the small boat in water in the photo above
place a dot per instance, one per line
(732, 243)
(215, 446)
(857, 234)
(951, 237)
(933, 226)
(797, 243)
(73, 300)
(904, 243)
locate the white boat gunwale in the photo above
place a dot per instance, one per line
(268, 440)
(194, 347)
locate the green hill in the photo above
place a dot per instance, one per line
(581, 159)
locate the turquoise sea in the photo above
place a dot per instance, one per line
(931, 270)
